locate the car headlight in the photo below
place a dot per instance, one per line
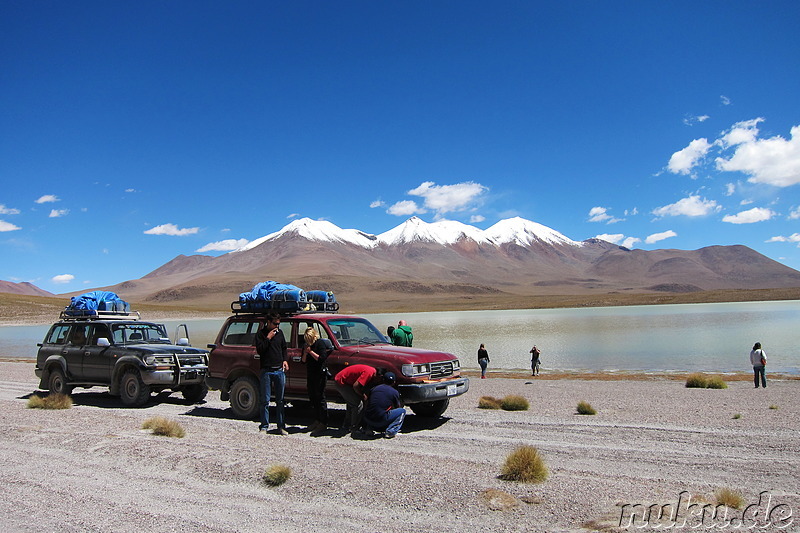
(415, 370)
(161, 362)
(456, 365)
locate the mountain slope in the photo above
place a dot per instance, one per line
(24, 288)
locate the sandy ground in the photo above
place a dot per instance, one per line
(91, 468)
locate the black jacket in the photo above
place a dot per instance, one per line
(272, 352)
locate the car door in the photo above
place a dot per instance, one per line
(73, 350)
(97, 360)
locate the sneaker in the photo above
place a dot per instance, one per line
(282, 431)
(389, 435)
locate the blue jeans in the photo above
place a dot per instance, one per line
(758, 370)
(484, 363)
(391, 423)
(272, 381)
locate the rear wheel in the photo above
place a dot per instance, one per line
(430, 409)
(132, 390)
(195, 393)
(57, 384)
(244, 397)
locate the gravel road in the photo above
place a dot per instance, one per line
(91, 467)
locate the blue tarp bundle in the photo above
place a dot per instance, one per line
(274, 291)
(97, 301)
(271, 295)
(320, 296)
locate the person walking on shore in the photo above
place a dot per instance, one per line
(535, 360)
(483, 360)
(758, 358)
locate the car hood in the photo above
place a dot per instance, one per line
(166, 348)
(417, 355)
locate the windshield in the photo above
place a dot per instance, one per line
(141, 333)
(349, 332)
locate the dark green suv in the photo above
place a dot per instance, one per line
(117, 350)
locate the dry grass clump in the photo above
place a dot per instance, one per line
(729, 497)
(700, 381)
(164, 427)
(512, 402)
(276, 475)
(773, 406)
(524, 464)
(488, 402)
(585, 408)
(737, 416)
(51, 401)
(497, 500)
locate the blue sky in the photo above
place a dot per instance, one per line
(135, 132)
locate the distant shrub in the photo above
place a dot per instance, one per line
(773, 406)
(729, 497)
(51, 401)
(584, 408)
(716, 382)
(276, 475)
(164, 427)
(737, 416)
(488, 402)
(696, 381)
(524, 464)
(513, 402)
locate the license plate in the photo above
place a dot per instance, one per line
(451, 390)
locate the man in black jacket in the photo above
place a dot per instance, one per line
(271, 348)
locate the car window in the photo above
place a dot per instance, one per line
(240, 334)
(322, 333)
(78, 334)
(98, 331)
(58, 334)
(355, 331)
(140, 333)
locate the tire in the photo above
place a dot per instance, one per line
(57, 384)
(195, 393)
(245, 399)
(132, 390)
(430, 409)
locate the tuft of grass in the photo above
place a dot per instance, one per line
(51, 401)
(773, 406)
(696, 381)
(276, 475)
(729, 497)
(716, 382)
(584, 408)
(164, 427)
(737, 416)
(512, 402)
(524, 464)
(488, 402)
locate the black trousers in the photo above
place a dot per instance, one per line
(316, 395)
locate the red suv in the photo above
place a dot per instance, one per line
(426, 379)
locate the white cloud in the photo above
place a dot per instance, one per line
(740, 133)
(774, 161)
(62, 278)
(47, 198)
(449, 198)
(8, 210)
(655, 237)
(691, 121)
(725, 100)
(691, 206)
(794, 237)
(610, 237)
(630, 241)
(223, 246)
(130, 190)
(746, 201)
(8, 226)
(56, 213)
(632, 212)
(757, 214)
(474, 219)
(730, 188)
(377, 203)
(171, 229)
(293, 215)
(794, 214)
(683, 161)
(600, 214)
(405, 208)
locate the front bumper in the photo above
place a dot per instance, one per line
(174, 378)
(432, 391)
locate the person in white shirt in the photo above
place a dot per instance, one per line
(759, 360)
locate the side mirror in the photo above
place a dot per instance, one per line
(183, 341)
(102, 341)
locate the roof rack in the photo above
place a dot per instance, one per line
(261, 307)
(84, 314)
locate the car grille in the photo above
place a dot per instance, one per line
(441, 369)
(192, 360)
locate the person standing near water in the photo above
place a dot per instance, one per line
(483, 360)
(759, 360)
(535, 360)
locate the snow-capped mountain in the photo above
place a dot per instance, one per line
(513, 230)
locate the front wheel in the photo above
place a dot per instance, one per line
(194, 393)
(244, 397)
(132, 390)
(57, 384)
(430, 409)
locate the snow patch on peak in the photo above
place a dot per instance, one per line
(316, 230)
(442, 232)
(523, 232)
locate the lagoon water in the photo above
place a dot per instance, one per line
(687, 337)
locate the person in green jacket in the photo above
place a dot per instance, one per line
(402, 336)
